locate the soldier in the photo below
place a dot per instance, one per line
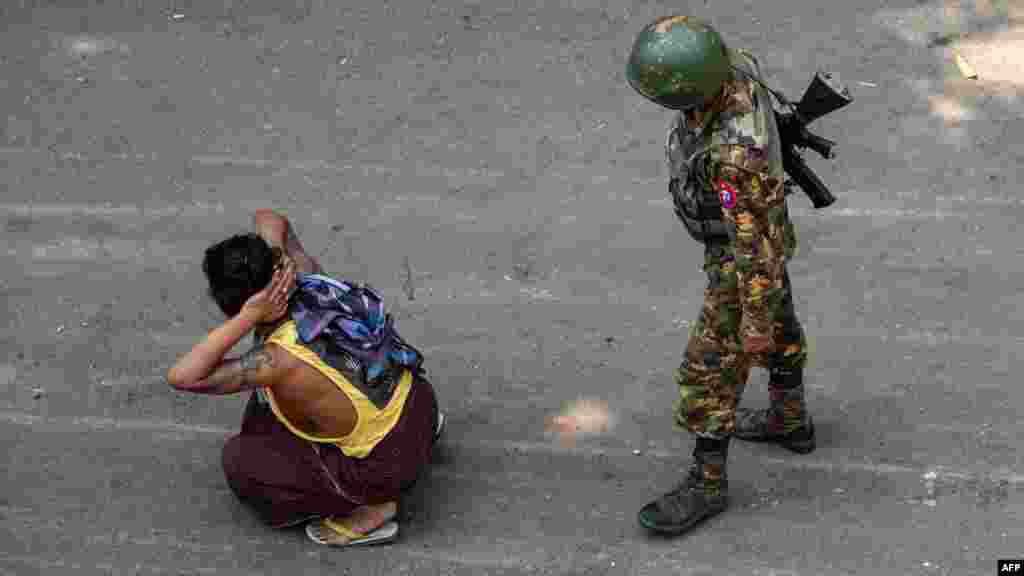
(727, 185)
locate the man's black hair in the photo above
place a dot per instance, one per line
(236, 269)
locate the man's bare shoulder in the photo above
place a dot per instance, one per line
(289, 370)
(283, 362)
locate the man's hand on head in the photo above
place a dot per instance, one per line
(282, 259)
(204, 370)
(261, 366)
(271, 303)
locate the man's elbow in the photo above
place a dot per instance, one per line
(267, 214)
(176, 380)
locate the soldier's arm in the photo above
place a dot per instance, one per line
(757, 214)
(277, 231)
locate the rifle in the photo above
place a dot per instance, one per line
(823, 96)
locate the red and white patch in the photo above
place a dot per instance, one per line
(727, 194)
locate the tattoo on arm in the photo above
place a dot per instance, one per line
(253, 361)
(243, 373)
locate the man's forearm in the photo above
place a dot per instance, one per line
(208, 354)
(306, 263)
(277, 231)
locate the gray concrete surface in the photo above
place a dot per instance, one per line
(497, 150)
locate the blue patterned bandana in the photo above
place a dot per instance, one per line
(352, 318)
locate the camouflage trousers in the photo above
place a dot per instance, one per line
(715, 368)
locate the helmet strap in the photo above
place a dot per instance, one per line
(705, 113)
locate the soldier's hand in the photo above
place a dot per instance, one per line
(757, 344)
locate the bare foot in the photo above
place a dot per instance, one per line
(363, 521)
(368, 518)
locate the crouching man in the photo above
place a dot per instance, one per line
(341, 419)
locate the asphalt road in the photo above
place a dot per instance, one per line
(487, 168)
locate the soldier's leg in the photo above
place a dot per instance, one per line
(711, 378)
(786, 420)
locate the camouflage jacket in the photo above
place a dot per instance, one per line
(739, 166)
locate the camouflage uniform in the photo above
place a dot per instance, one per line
(728, 186)
(748, 292)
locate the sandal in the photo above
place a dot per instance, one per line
(388, 532)
(440, 426)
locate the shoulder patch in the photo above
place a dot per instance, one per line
(727, 194)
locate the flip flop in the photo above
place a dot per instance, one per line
(440, 426)
(388, 532)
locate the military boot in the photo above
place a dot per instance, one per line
(785, 421)
(700, 495)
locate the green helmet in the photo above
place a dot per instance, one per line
(678, 62)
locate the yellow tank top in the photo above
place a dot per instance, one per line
(372, 424)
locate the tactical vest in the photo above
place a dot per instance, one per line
(696, 203)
